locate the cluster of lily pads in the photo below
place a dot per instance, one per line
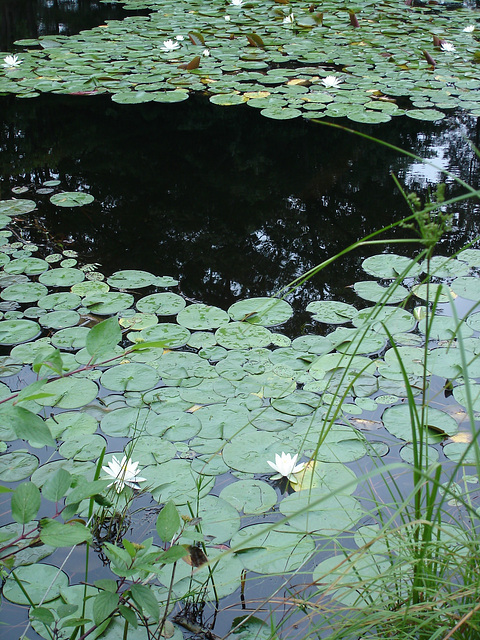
(288, 59)
(193, 392)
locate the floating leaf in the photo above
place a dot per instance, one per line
(71, 199)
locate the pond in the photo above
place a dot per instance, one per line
(224, 206)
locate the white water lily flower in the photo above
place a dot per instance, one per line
(179, 38)
(237, 3)
(470, 28)
(123, 473)
(170, 45)
(205, 53)
(227, 18)
(448, 47)
(285, 466)
(290, 19)
(11, 61)
(331, 82)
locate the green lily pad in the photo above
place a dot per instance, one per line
(391, 265)
(59, 301)
(162, 304)
(397, 421)
(59, 319)
(61, 277)
(240, 335)
(185, 488)
(69, 393)
(80, 470)
(250, 496)
(35, 579)
(17, 465)
(108, 303)
(130, 377)
(331, 311)
(267, 312)
(17, 331)
(24, 292)
(371, 290)
(325, 515)
(220, 521)
(28, 265)
(78, 423)
(202, 316)
(71, 199)
(170, 335)
(82, 447)
(131, 279)
(279, 550)
(16, 207)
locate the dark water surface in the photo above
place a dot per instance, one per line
(33, 18)
(234, 204)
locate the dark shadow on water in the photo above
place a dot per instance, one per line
(21, 19)
(234, 204)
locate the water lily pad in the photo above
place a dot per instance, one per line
(28, 265)
(59, 301)
(433, 292)
(78, 423)
(168, 334)
(385, 319)
(220, 521)
(71, 199)
(59, 319)
(185, 488)
(70, 338)
(222, 421)
(391, 265)
(202, 316)
(69, 393)
(323, 514)
(17, 465)
(16, 207)
(35, 579)
(371, 290)
(279, 550)
(138, 321)
(16, 331)
(250, 496)
(24, 292)
(82, 447)
(175, 426)
(332, 311)
(80, 470)
(267, 312)
(61, 277)
(240, 335)
(130, 377)
(467, 287)
(162, 304)
(108, 303)
(350, 573)
(131, 279)
(249, 451)
(397, 421)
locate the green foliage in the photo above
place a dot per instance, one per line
(278, 57)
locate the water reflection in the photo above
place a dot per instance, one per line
(33, 18)
(233, 203)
